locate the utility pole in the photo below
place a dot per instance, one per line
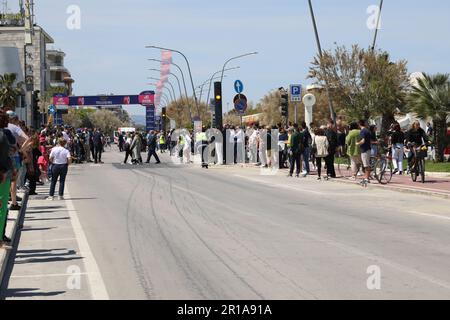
(319, 47)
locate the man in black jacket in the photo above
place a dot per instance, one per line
(151, 143)
(333, 144)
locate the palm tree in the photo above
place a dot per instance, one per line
(9, 90)
(431, 98)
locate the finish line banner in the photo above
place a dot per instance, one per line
(146, 98)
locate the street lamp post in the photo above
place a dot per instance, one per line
(184, 82)
(163, 95)
(378, 25)
(316, 32)
(213, 77)
(189, 69)
(168, 82)
(234, 58)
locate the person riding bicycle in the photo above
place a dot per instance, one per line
(415, 137)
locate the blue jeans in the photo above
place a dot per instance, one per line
(306, 155)
(58, 171)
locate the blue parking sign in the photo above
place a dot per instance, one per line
(296, 92)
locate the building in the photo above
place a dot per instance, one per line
(38, 76)
(59, 75)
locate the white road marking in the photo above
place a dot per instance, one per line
(98, 288)
(50, 275)
(430, 215)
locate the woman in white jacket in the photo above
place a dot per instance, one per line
(320, 148)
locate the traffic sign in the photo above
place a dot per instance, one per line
(239, 86)
(296, 93)
(52, 109)
(240, 103)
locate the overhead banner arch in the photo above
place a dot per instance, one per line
(146, 99)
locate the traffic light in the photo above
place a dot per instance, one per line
(284, 103)
(218, 104)
(36, 108)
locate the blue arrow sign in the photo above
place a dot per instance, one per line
(52, 109)
(239, 86)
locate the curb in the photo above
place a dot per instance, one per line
(17, 225)
(396, 188)
(390, 187)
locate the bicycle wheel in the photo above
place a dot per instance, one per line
(384, 171)
(422, 170)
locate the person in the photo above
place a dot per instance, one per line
(61, 159)
(430, 130)
(121, 142)
(253, 145)
(417, 136)
(87, 145)
(136, 149)
(239, 146)
(332, 137)
(373, 141)
(353, 150)
(7, 149)
(127, 147)
(397, 141)
(151, 143)
(295, 151)
(98, 140)
(282, 147)
(321, 148)
(33, 172)
(307, 141)
(162, 142)
(366, 150)
(262, 146)
(43, 161)
(22, 141)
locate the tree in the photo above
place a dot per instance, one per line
(9, 91)
(179, 111)
(365, 83)
(431, 98)
(106, 120)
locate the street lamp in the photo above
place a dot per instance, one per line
(234, 58)
(173, 90)
(178, 80)
(189, 69)
(163, 95)
(378, 25)
(184, 82)
(316, 32)
(203, 85)
(179, 69)
(168, 90)
(212, 78)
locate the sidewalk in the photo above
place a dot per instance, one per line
(12, 227)
(47, 264)
(437, 184)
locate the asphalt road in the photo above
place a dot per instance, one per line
(171, 232)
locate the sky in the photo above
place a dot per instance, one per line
(108, 55)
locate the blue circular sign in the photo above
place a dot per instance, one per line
(239, 86)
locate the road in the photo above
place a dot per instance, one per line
(175, 232)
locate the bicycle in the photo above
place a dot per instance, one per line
(417, 164)
(384, 168)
